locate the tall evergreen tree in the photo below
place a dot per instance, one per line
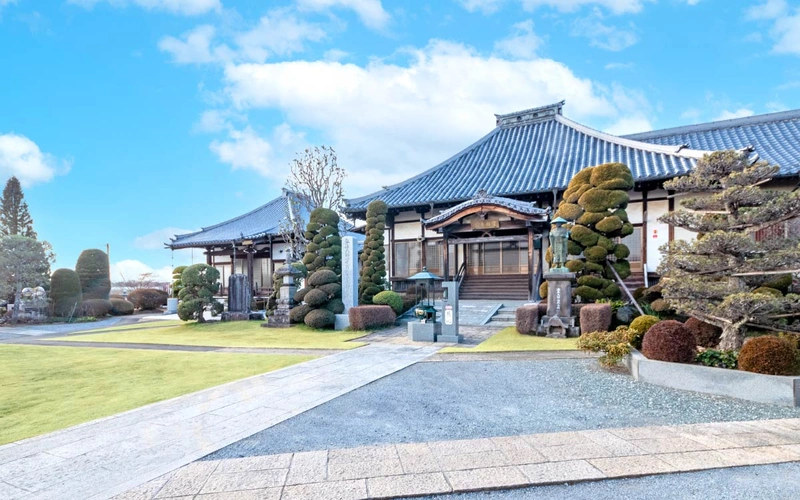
(14, 216)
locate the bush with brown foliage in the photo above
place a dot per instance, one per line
(369, 317)
(98, 308)
(705, 335)
(595, 317)
(769, 355)
(148, 299)
(121, 307)
(527, 319)
(669, 341)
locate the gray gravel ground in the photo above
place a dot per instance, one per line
(762, 482)
(465, 400)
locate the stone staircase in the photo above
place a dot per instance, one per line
(505, 316)
(494, 286)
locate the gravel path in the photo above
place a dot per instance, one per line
(463, 400)
(761, 482)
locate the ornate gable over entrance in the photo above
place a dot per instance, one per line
(483, 204)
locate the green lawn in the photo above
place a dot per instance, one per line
(48, 388)
(227, 334)
(508, 340)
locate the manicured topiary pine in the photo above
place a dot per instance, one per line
(93, 269)
(714, 278)
(199, 284)
(176, 280)
(322, 296)
(596, 199)
(65, 292)
(373, 258)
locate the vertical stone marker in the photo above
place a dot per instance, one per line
(349, 280)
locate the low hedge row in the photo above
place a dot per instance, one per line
(369, 317)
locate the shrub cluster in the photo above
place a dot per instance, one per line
(148, 299)
(65, 293)
(595, 317)
(614, 345)
(369, 317)
(669, 341)
(639, 327)
(373, 257)
(718, 359)
(705, 335)
(93, 269)
(391, 299)
(596, 199)
(322, 295)
(768, 354)
(121, 307)
(97, 308)
(527, 319)
(199, 283)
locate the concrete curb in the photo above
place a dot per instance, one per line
(771, 389)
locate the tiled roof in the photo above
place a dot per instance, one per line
(775, 137)
(536, 150)
(483, 198)
(264, 220)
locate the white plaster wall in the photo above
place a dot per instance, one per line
(407, 230)
(657, 232)
(406, 216)
(635, 195)
(635, 212)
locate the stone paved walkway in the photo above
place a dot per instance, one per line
(473, 335)
(432, 468)
(107, 456)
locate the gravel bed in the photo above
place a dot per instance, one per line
(473, 399)
(761, 482)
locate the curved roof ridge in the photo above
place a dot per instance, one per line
(718, 124)
(631, 143)
(431, 170)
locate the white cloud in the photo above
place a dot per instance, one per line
(279, 32)
(390, 121)
(157, 239)
(246, 149)
(335, 55)
(692, 115)
(485, 6)
(21, 157)
(521, 43)
(786, 24)
(603, 36)
(692, 2)
(739, 113)
(770, 9)
(630, 125)
(183, 7)
(130, 269)
(615, 6)
(775, 106)
(371, 12)
(616, 65)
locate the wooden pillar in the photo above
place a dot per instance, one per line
(446, 249)
(531, 274)
(250, 269)
(390, 258)
(209, 257)
(423, 245)
(643, 243)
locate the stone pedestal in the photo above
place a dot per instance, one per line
(424, 332)
(172, 306)
(450, 314)
(559, 321)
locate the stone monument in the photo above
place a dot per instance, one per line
(239, 296)
(349, 280)
(286, 275)
(559, 321)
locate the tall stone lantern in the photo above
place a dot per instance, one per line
(286, 274)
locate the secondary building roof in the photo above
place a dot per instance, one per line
(540, 150)
(775, 137)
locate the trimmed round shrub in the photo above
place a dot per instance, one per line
(594, 267)
(612, 291)
(298, 313)
(527, 319)
(65, 292)
(148, 299)
(334, 290)
(543, 290)
(335, 305)
(595, 318)
(591, 218)
(660, 306)
(573, 248)
(769, 355)
(584, 236)
(569, 211)
(93, 269)
(316, 298)
(588, 294)
(575, 266)
(643, 323)
(669, 341)
(606, 243)
(623, 268)
(601, 200)
(609, 224)
(300, 294)
(391, 299)
(573, 195)
(590, 280)
(373, 257)
(616, 173)
(621, 251)
(121, 307)
(98, 308)
(622, 214)
(627, 229)
(322, 277)
(705, 334)
(596, 254)
(768, 291)
(320, 318)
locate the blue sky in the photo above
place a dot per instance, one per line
(130, 120)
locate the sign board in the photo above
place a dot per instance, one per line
(448, 315)
(485, 224)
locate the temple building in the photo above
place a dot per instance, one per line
(481, 215)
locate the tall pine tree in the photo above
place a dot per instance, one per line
(14, 216)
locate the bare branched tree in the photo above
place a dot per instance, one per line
(317, 179)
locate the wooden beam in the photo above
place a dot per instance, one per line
(520, 237)
(488, 207)
(531, 274)
(446, 249)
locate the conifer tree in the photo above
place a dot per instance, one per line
(373, 258)
(14, 216)
(727, 277)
